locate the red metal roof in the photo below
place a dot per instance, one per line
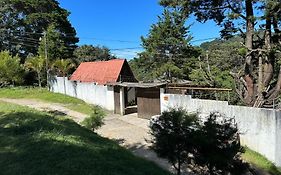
(100, 72)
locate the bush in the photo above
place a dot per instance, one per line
(173, 136)
(218, 145)
(211, 144)
(95, 120)
(11, 72)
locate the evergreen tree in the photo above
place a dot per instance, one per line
(167, 48)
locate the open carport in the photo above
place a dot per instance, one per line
(146, 95)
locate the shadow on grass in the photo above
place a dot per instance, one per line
(37, 143)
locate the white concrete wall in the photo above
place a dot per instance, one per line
(89, 92)
(260, 128)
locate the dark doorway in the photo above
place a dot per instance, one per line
(130, 100)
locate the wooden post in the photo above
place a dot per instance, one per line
(122, 101)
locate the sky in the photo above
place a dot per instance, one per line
(119, 25)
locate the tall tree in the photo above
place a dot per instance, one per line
(167, 47)
(53, 46)
(23, 22)
(86, 53)
(259, 83)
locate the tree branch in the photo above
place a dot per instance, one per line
(235, 11)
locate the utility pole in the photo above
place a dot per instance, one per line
(46, 57)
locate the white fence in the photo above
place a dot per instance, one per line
(89, 92)
(260, 128)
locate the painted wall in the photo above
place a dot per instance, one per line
(260, 128)
(89, 92)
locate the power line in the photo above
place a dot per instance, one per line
(24, 44)
(130, 48)
(103, 39)
(111, 40)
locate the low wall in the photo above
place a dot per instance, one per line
(89, 92)
(260, 128)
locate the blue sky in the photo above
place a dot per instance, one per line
(120, 24)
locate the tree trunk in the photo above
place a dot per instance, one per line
(39, 79)
(269, 61)
(249, 97)
(179, 167)
(276, 90)
(260, 75)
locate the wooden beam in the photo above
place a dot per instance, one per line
(201, 88)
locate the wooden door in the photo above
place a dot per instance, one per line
(117, 100)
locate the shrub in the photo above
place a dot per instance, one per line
(173, 136)
(95, 120)
(218, 145)
(10, 69)
(212, 144)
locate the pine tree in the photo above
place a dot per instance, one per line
(167, 48)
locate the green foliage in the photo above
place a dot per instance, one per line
(63, 67)
(212, 143)
(35, 142)
(218, 60)
(25, 19)
(11, 70)
(166, 49)
(95, 120)
(173, 135)
(86, 53)
(36, 64)
(219, 145)
(56, 46)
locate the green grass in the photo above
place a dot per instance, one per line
(33, 142)
(44, 95)
(260, 162)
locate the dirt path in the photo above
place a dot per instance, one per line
(44, 106)
(129, 131)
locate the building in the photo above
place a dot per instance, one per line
(103, 72)
(111, 85)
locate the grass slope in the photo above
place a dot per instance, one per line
(45, 95)
(33, 142)
(260, 162)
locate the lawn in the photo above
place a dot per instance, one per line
(260, 162)
(33, 142)
(47, 96)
